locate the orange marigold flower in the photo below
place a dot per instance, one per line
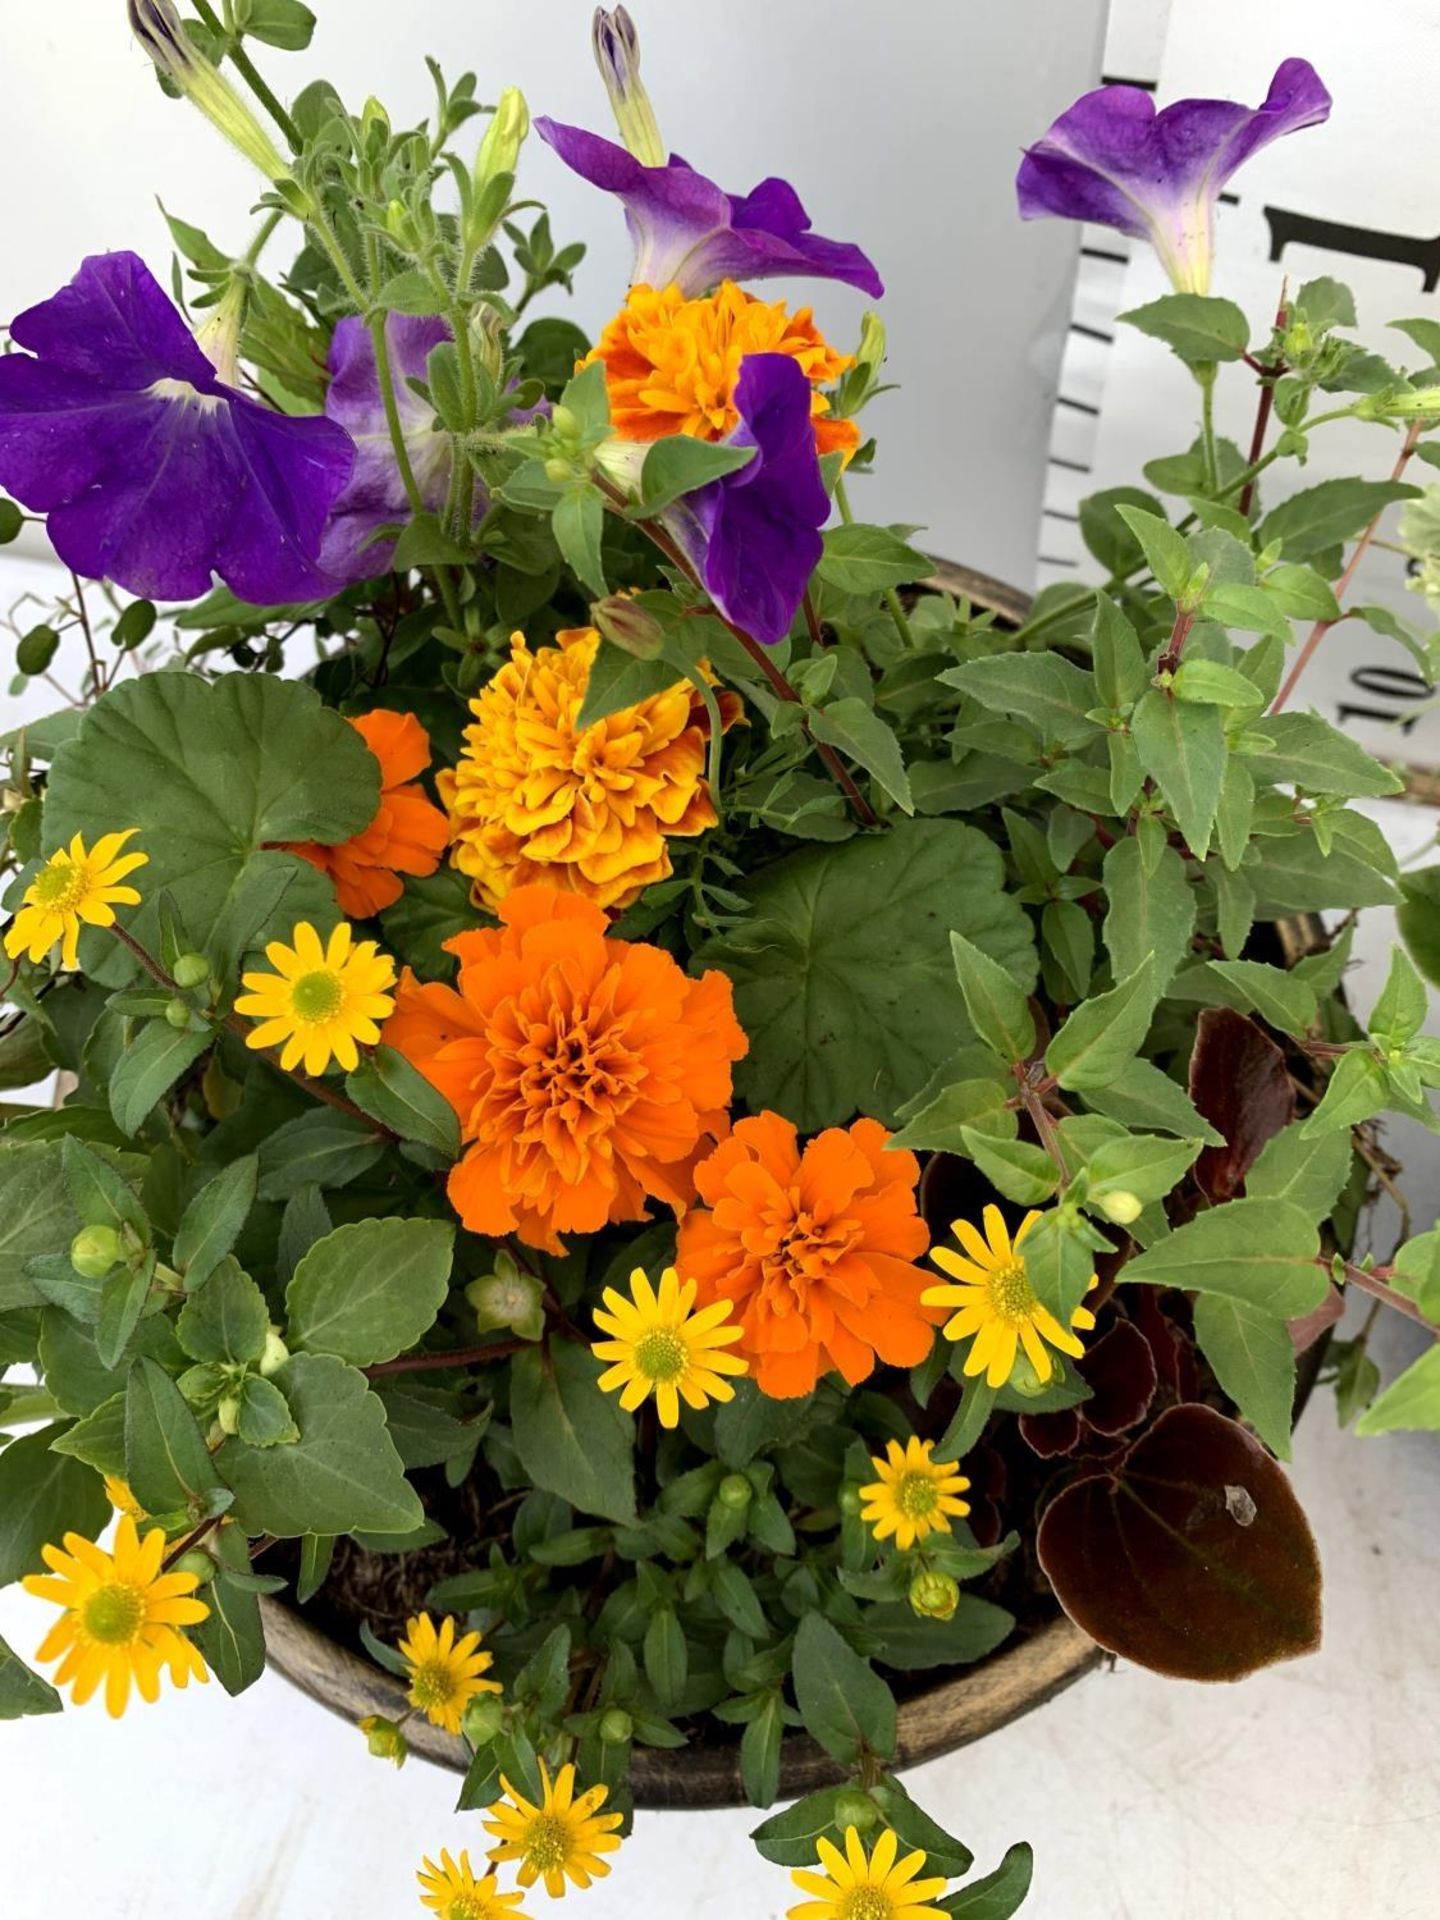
(536, 798)
(815, 1248)
(589, 1074)
(671, 364)
(408, 833)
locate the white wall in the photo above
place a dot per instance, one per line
(901, 125)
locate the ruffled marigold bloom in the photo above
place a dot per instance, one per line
(407, 835)
(452, 1892)
(671, 364)
(660, 1345)
(857, 1886)
(320, 1000)
(589, 1074)
(815, 1248)
(446, 1673)
(914, 1495)
(562, 1838)
(997, 1304)
(73, 889)
(536, 798)
(122, 1617)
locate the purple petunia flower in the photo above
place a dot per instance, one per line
(1114, 160)
(753, 536)
(151, 470)
(690, 232)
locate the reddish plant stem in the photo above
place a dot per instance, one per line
(1175, 645)
(188, 1540)
(1373, 1283)
(315, 1088)
(1362, 547)
(434, 1362)
(1268, 377)
(812, 621)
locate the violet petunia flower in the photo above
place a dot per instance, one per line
(1114, 160)
(689, 232)
(152, 470)
(753, 536)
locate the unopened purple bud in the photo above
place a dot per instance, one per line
(617, 54)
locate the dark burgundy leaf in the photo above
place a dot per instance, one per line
(1191, 1555)
(1311, 1327)
(1051, 1434)
(1170, 1349)
(1121, 1374)
(1239, 1081)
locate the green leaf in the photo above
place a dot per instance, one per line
(1326, 303)
(787, 1838)
(753, 1423)
(286, 24)
(1182, 748)
(1119, 664)
(1209, 684)
(617, 679)
(225, 1318)
(857, 730)
(1254, 1361)
(211, 1223)
(1308, 752)
(99, 1195)
(1262, 1253)
(1301, 594)
(98, 1439)
(998, 1894)
(1143, 1164)
(1044, 689)
(232, 1639)
(1412, 1402)
(390, 1090)
(370, 1290)
(1149, 911)
(998, 1006)
(737, 1600)
(1292, 874)
(578, 523)
(1400, 1011)
(320, 1149)
(167, 1462)
(841, 1016)
(1277, 996)
(1107, 536)
(863, 559)
(36, 1217)
(1247, 609)
(262, 1416)
(43, 1495)
(21, 1691)
(1309, 1172)
(1309, 523)
(1358, 1089)
(123, 1294)
(1020, 1170)
(1103, 1035)
(1201, 329)
(211, 772)
(935, 1127)
(342, 1474)
(679, 464)
(572, 1439)
(1058, 1264)
(1142, 1096)
(912, 1644)
(666, 1658)
(1165, 550)
(845, 1704)
(760, 1752)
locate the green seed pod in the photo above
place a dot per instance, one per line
(384, 1738)
(198, 1562)
(94, 1251)
(135, 625)
(736, 1491)
(11, 521)
(934, 1596)
(37, 650)
(191, 970)
(855, 1809)
(616, 1726)
(177, 1014)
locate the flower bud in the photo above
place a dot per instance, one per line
(561, 472)
(37, 649)
(849, 1499)
(384, 1738)
(616, 1726)
(871, 351)
(854, 1809)
(565, 422)
(135, 625)
(1122, 1207)
(736, 1491)
(94, 1251)
(484, 1717)
(156, 25)
(11, 521)
(191, 970)
(177, 1014)
(508, 1300)
(934, 1596)
(629, 627)
(617, 54)
(1027, 1382)
(227, 1414)
(504, 137)
(1422, 403)
(198, 1562)
(274, 1353)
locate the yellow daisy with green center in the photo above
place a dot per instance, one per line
(445, 1673)
(122, 1617)
(321, 999)
(996, 1306)
(660, 1345)
(73, 889)
(857, 1886)
(560, 1839)
(452, 1892)
(915, 1494)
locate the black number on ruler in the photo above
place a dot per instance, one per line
(1386, 683)
(1365, 243)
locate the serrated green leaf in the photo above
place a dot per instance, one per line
(1182, 748)
(1200, 328)
(1102, 1035)
(1263, 1253)
(865, 559)
(211, 1223)
(572, 1439)
(370, 1290)
(1253, 1357)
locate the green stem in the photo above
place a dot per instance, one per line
(892, 598)
(267, 227)
(252, 76)
(1206, 378)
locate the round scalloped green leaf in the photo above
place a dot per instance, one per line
(210, 772)
(844, 977)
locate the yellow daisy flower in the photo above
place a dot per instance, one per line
(73, 889)
(452, 1892)
(118, 1493)
(997, 1303)
(121, 1618)
(320, 1000)
(561, 1837)
(914, 1495)
(660, 1346)
(445, 1673)
(857, 1887)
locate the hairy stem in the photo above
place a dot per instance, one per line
(252, 77)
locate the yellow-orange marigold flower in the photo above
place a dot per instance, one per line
(74, 888)
(536, 798)
(407, 834)
(122, 1617)
(589, 1074)
(671, 364)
